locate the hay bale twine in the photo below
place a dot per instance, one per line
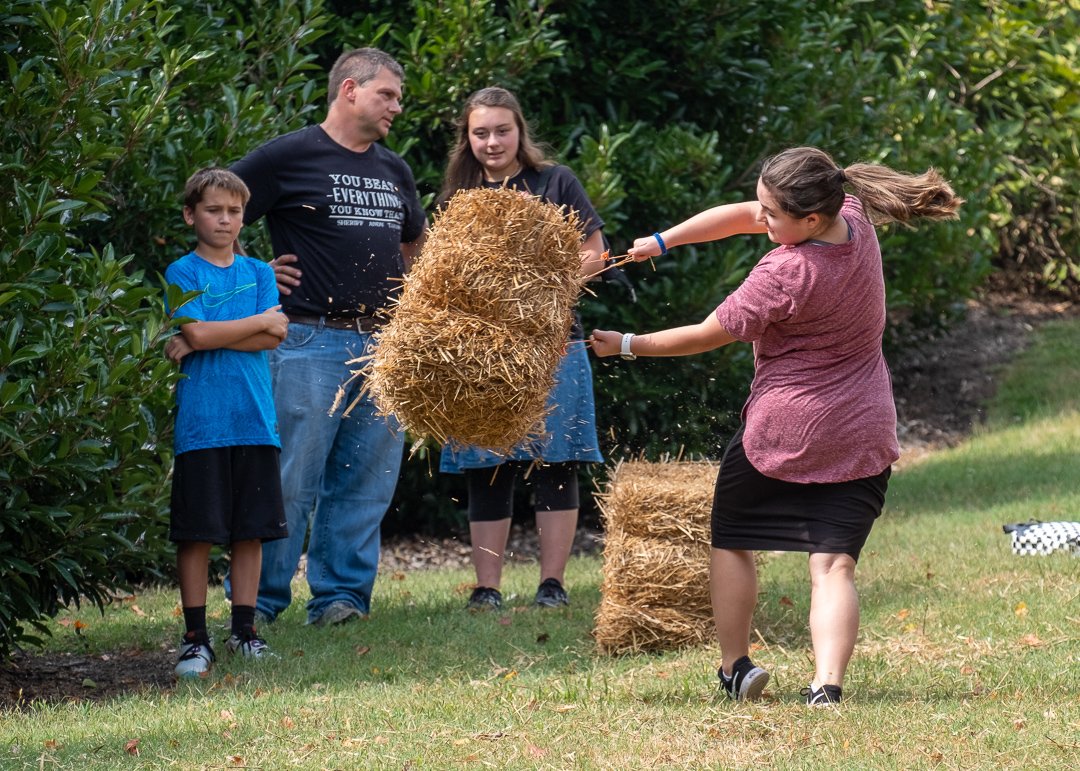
(655, 587)
(470, 352)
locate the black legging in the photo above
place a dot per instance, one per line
(491, 490)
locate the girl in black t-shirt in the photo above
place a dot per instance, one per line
(493, 148)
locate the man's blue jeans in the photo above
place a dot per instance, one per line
(338, 474)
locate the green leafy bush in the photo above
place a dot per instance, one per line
(662, 109)
(111, 106)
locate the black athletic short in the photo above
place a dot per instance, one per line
(752, 511)
(491, 490)
(226, 494)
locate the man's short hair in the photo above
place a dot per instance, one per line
(360, 65)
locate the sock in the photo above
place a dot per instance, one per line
(195, 623)
(243, 620)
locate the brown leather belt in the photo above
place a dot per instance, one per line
(358, 323)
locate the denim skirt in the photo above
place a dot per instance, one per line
(569, 428)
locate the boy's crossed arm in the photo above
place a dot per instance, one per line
(260, 332)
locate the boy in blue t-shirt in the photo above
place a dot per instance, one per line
(226, 478)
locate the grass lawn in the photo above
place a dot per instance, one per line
(968, 657)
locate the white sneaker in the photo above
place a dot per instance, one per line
(196, 658)
(251, 648)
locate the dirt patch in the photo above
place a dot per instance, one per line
(60, 677)
(941, 386)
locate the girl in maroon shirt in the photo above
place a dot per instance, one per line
(808, 468)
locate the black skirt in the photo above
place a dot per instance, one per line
(753, 511)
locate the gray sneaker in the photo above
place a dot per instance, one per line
(196, 658)
(337, 612)
(262, 618)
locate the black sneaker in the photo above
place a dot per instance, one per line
(746, 682)
(550, 594)
(824, 696)
(484, 598)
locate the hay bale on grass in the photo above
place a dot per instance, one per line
(670, 500)
(655, 588)
(657, 572)
(481, 323)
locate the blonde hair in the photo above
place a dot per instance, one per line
(806, 180)
(213, 176)
(463, 170)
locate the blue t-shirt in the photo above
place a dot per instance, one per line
(226, 399)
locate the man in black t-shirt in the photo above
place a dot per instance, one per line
(344, 221)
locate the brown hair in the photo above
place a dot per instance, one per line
(462, 168)
(213, 177)
(806, 180)
(360, 65)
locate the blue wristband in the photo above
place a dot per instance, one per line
(660, 241)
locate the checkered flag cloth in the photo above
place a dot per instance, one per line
(1044, 537)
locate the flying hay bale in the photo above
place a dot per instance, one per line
(655, 590)
(470, 352)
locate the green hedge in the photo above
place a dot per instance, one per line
(661, 108)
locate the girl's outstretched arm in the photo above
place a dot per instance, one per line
(678, 341)
(713, 224)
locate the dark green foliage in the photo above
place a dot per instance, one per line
(111, 106)
(662, 108)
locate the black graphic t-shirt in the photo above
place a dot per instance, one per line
(343, 213)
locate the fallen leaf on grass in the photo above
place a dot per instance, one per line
(1021, 609)
(131, 747)
(505, 621)
(138, 611)
(1032, 641)
(535, 752)
(362, 650)
(904, 613)
(64, 622)
(51, 744)
(565, 708)
(288, 722)
(786, 601)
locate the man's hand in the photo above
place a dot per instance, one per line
(286, 274)
(177, 348)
